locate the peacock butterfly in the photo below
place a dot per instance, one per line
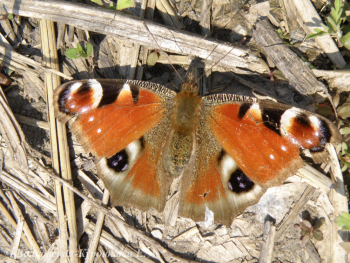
(227, 148)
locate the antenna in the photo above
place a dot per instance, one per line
(144, 23)
(238, 44)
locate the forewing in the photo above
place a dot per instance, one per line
(265, 138)
(123, 123)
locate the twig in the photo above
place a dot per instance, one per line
(12, 133)
(315, 178)
(17, 60)
(309, 191)
(340, 204)
(268, 242)
(110, 242)
(50, 58)
(131, 29)
(32, 122)
(26, 229)
(97, 232)
(42, 231)
(27, 190)
(17, 238)
(12, 221)
(32, 211)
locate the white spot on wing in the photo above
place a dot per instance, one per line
(74, 87)
(227, 162)
(126, 87)
(315, 122)
(227, 166)
(255, 106)
(91, 118)
(125, 92)
(255, 110)
(98, 130)
(133, 149)
(286, 119)
(97, 92)
(284, 148)
(272, 157)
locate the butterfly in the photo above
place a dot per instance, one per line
(228, 149)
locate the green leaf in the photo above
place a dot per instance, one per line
(10, 16)
(324, 110)
(318, 34)
(72, 53)
(80, 48)
(318, 30)
(281, 34)
(122, 4)
(89, 49)
(332, 24)
(111, 6)
(264, 64)
(344, 161)
(337, 4)
(344, 168)
(279, 75)
(344, 147)
(345, 40)
(344, 111)
(345, 246)
(305, 225)
(311, 36)
(345, 130)
(83, 54)
(343, 221)
(318, 235)
(152, 58)
(319, 223)
(97, 2)
(337, 14)
(328, 29)
(334, 15)
(304, 232)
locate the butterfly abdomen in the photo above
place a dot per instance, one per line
(185, 117)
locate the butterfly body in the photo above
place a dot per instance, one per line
(227, 148)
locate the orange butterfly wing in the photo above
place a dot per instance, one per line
(122, 123)
(242, 148)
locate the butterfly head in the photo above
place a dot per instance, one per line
(190, 86)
